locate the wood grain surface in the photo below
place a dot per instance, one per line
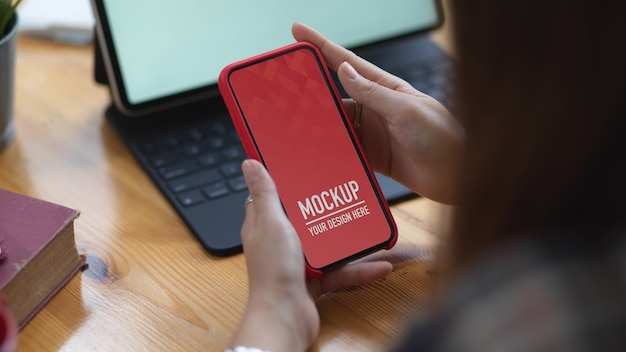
(150, 286)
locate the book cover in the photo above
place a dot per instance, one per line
(38, 252)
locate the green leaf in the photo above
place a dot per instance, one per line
(7, 9)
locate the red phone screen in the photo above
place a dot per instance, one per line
(290, 117)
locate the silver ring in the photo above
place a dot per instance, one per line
(248, 201)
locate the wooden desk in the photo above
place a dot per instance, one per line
(150, 285)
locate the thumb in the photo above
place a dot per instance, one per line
(266, 230)
(385, 99)
(262, 189)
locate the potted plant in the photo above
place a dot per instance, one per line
(8, 33)
(7, 10)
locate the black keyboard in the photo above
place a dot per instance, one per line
(432, 78)
(198, 163)
(193, 153)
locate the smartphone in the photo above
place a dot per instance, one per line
(289, 115)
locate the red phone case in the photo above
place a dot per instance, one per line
(290, 117)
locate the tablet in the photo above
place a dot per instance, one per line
(162, 54)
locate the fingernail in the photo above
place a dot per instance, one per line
(350, 71)
(250, 170)
(247, 166)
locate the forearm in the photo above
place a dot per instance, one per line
(269, 323)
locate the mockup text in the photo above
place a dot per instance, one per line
(328, 200)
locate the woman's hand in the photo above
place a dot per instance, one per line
(406, 134)
(281, 314)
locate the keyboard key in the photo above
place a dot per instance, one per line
(238, 184)
(233, 152)
(216, 190)
(191, 198)
(194, 181)
(219, 127)
(216, 142)
(177, 170)
(193, 149)
(231, 169)
(164, 159)
(208, 160)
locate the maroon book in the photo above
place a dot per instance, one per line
(38, 252)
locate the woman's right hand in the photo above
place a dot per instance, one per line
(406, 134)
